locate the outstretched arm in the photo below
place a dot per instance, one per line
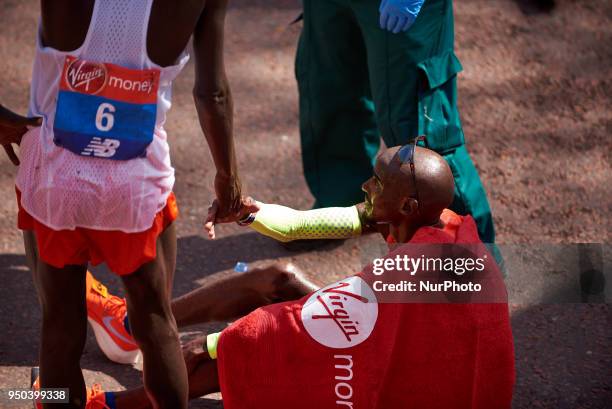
(285, 224)
(213, 101)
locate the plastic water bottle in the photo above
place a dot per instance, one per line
(241, 267)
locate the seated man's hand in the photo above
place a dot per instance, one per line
(12, 128)
(246, 206)
(399, 15)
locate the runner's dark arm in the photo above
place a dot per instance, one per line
(213, 102)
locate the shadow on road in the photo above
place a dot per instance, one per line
(529, 7)
(198, 258)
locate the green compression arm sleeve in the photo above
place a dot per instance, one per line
(286, 224)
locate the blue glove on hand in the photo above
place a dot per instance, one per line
(399, 15)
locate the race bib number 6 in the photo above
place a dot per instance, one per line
(104, 110)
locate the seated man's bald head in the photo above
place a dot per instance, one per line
(434, 181)
(393, 196)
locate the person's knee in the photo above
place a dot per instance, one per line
(159, 333)
(284, 274)
(64, 314)
(147, 293)
(151, 322)
(273, 276)
(144, 287)
(285, 282)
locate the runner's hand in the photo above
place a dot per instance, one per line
(12, 128)
(247, 205)
(228, 192)
(399, 15)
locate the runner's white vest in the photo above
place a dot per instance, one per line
(65, 190)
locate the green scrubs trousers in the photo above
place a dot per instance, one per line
(358, 82)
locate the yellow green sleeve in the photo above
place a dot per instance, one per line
(286, 224)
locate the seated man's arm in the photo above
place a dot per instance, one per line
(286, 224)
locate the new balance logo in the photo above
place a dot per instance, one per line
(101, 148)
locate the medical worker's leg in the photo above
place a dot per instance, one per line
(337, 126)
(413, 76)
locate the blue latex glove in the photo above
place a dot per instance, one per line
(399, 15)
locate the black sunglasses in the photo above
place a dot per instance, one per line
(406, 154)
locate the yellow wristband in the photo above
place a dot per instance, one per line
(212, 340)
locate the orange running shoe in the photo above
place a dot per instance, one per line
(106, 313)
(96, 398)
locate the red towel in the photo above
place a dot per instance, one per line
(339, 348)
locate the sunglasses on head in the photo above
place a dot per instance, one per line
(406, 155)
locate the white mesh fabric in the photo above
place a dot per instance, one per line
(64, 190)
(119, 31)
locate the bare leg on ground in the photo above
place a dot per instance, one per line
(241, 293)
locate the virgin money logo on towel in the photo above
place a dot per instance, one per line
(342, 314)
(86, 77)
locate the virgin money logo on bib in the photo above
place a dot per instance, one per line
(105, 110)
(86, 76)
(342, 314)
